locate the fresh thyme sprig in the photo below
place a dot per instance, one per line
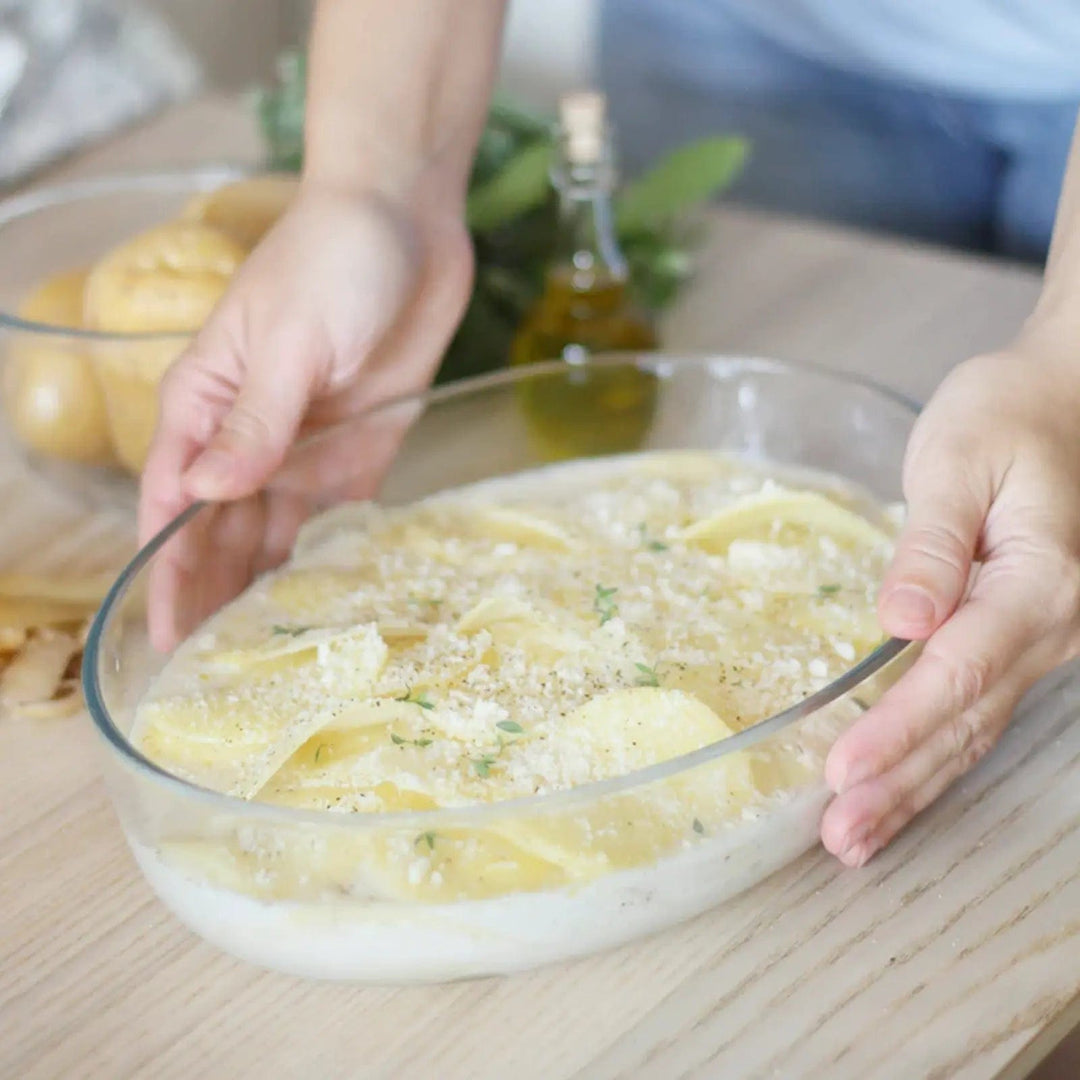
(420, 699)
(604, 603)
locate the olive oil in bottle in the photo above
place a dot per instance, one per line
(585, 308)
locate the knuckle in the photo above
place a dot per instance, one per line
(941, 543)
(964, 678)
(245, 425)
(971, 736)
(905, 807)
(979, 746)
(962, 734)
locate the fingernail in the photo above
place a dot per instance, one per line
(853, 774)
(862, 853)
(911, 605)
(856, 773)
(207, 474)
(854, 840)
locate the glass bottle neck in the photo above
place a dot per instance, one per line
(586, 246)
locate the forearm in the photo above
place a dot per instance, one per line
(398, 92)
(1055, 323)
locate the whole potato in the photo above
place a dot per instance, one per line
(164, 281)
(51, 395)
(245, 209)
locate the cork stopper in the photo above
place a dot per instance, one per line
(582, 116)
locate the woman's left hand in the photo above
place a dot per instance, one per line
(986, 573)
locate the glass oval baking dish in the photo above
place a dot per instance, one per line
(348, 896)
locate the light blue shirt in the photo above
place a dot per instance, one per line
(985, 48)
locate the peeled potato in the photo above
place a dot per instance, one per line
(244, 210)
(57, 301)
(166, 281)
(51, 395)
(129, 374)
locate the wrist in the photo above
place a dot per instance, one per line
(423, 182)
(1052, 337)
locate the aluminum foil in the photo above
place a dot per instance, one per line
(75, 70)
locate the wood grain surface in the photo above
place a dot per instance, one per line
(955, 954)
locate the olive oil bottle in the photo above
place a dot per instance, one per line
(585, 308)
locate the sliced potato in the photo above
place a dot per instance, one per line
(308, 592)
(784, 517)
(519, 527)
(302, 643)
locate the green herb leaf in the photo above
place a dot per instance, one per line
(428, 838)
(650, 544)
(400, 740)
(828, 590)
(686, 177)
(519, 186)
(511, 726)
(482, 765)
(291, 631)
(648, 676)
(604, 604)
(318, 751)
(420, 699)
(698, 827)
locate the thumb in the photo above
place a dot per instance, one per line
(254, 436)
(930, 570)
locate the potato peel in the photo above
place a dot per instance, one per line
(44, 621)
(37, 671)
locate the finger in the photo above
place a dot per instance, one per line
(192, 405)
(252, 439)
(960, 663)
(863, 850)
(235, 539)
(174, 580)
(929, 572)
(348, 461)
(286, 513)
(877, 809)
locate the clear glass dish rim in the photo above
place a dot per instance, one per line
(31, 202)
(478, 814)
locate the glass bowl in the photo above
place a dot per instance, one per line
(290, 889)
(57, 230)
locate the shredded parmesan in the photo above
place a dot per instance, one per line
(495, 642)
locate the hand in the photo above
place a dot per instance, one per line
(346, 302)
(986, 573)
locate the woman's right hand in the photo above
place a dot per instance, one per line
(348, 300)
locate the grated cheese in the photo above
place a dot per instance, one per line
(485, 645)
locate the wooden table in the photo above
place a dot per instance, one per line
(956, 953)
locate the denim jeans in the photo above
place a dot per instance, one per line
(970, 172)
